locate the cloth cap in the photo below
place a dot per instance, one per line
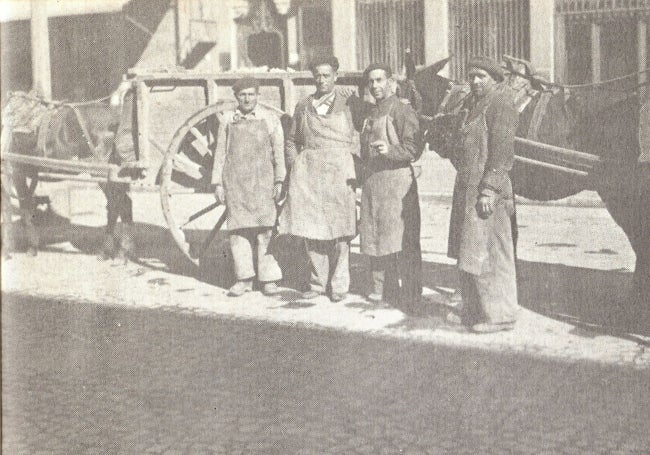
(244, 83)
(378, 66)
(489, 65)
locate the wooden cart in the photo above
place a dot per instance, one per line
(177, 125)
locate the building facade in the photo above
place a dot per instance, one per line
(570, 41)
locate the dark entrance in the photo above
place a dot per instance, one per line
(265, 48)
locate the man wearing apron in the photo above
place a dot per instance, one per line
(390, 207)
(248, 172)
(480, 234)
(320, 205)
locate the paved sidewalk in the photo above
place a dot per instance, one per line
(574, 264)
(63, 274)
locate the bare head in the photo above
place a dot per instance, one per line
(325, 72)
(247, 99)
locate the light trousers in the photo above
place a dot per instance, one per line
(330, 263)
(249, 247)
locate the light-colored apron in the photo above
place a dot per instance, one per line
(389, 197)
(248, 175)
(469, 235)
(320, 202)
(483, 247)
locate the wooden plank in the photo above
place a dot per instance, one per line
(642, 54)
(289, 92)
(560, 59)
(554, 167)
(210, 92)
(61, 165)
(186, 166)
(595, 52)
(173, 78)
(554, 155)
(201, 143)
(143, 119)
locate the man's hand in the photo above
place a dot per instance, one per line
(277, 192)
(347, 92)
(219, 195)
(485, 206)
(380, 147)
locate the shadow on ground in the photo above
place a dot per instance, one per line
(591, 300)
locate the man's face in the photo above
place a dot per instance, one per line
(325, 78)
(378, 84)
(247, 99)
(480, 81)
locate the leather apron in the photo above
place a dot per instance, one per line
(470, 237)
(389, 197)
(248, 175)
(320, 202)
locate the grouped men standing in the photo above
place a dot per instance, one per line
(480, 234)
(320, 204)
(390, 208)
(248, 173)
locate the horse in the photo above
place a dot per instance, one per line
(97, 131)
(600, 120)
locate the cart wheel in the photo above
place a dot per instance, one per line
(187, 200)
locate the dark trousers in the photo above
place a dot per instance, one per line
(397, 277)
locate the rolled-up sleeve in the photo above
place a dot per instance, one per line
(502, 121)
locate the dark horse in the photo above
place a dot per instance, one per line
(96, 132)
(600, 120)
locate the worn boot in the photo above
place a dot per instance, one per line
(108, 247)
(126, 248)
(270, 288)
(240, 288)
(31, 234)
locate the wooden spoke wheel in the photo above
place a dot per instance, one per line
(189, 206)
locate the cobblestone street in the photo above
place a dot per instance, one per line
(92, 379)
(102, 358)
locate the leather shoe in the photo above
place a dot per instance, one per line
(488, 327)
(270, 288)
(240, 288)
(336, 297)
(453, 318)
(311, 294)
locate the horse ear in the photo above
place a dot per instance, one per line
(436, 67)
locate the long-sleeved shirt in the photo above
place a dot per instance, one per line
(276, 136)
(502, 120)
(408, 146)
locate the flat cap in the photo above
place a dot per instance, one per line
(244, 83)
(378, 66)
(489, 65)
